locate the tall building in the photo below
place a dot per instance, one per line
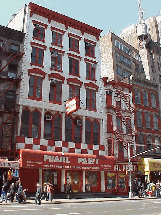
(61, 121)
(146, 37)
(11, 52)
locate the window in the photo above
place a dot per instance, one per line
(90, 99)
(74, 91)
(122, 47)
(77, 131)
(153, 100)
(25, 123)
(56, 61)
(128, 126)
(74, 44)
(15, 47)
(140, 143)
(35, 87)
(92, 132)
(137, 68)
(118, 104)
(1, 43)
(120, 147)
(57, 38)
(68, 129)
(89, 49)
(90, 71)
(147, 120)
(137, 97)
(157, 144)
(36, 124)
(88, 131)
(57, 127)
(119, 124)
(74, 66)
(30, 124)
(52, 126)
(38, 32)
(37, 56)
(55, 94)
(123, 60)
(96, 128)
(149, 141)
(139, 119)
(122, 72)
(145, 98)
(155, 122)
(9, 100)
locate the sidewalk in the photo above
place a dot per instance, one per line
(31, 200)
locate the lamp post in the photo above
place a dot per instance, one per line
(129, 166)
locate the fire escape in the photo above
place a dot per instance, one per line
(9, 110)
(117, 134)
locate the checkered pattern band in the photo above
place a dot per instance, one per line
(59, 146)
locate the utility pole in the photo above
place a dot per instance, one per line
(129, 165)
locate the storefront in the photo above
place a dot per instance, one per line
(150, 169)
(117, 181)
(84, 172)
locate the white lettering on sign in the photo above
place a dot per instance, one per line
(71, 106)
(124, 167)
(88, 160)
(56, 159)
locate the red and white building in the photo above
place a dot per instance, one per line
(61, 62)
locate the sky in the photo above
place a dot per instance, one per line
(107, 15)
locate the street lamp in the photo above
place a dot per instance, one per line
(129, 167)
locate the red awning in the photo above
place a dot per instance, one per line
(58, 160)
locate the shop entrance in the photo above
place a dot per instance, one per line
(111, 183)
(122, 184)
(75, 179)
(93, 181)
(53, 177)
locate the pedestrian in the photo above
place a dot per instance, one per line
(45, 191)
(68, 190)
(20, 193)
(12, 192)
(50, 192)
(4, 192)
(38, 195)
(157, 189)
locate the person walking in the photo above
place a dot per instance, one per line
(50, 192)
(12, 192)
(38, 195)
(4, 192)
(68, 190)
(157, 189)
(20, 193)
(45, 191)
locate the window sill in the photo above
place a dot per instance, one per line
(34, 38)
(55, 102)
(91, 109)
(90, 56)
(77, 51)
(57, 45)
(74, 75)
(33, 98)
(36, 65)
(56, 70)
(91, 79)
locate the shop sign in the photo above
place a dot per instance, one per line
(72, 105)
(57, 160)
(125, 167)
(9, 164)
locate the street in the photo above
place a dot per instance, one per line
(123, 207)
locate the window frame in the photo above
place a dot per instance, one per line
(39, 33)
(35, 87)
(155, 123)
(55, 92)
(72, 45)
(37, 56)
(91, 131)
(91, 50)
(56, 40)
(149, 141)
(56, 62)
(147, 120)
(153, 101)
(139, 118)
(73, 66)
(88, 64)
(90, 99)
(137, 97)
(145, 98)
(120, 129)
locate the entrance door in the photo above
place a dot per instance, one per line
(74, 177)
(111, 183)
(122, 184)
(93, 181)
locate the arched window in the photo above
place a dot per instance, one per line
(47, 126)
(77, 130)
(57, 127)
(25, 123)
(36, 124)
(88, 138)
(96, 130)
(68, 129)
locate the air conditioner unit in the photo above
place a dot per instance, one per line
(48, 117)
(78, 122)
(54, 53)
(93, 65)
(53, 81)
(11, 75)
(109, 92)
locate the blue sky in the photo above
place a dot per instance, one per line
(113, 15)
